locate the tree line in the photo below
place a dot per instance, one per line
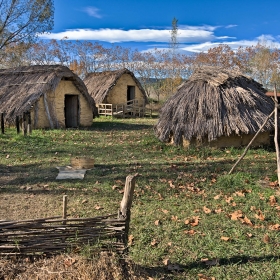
(159, 70)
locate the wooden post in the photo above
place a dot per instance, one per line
(2, 123)
(24, 125)
(17, 124)
(276, 134)
(124, 212)
(64, 210)
(29, 129)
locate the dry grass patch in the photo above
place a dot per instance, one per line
(103, 266)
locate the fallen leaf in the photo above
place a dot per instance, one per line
(239, 193)
(174, 218)
(266, 238)
(195, 221)
(218, 211)
(186, 222)
(69, 261)
(229, 199)
(206, 210)
(115, 187)
(217, 196)
(246, 221)
(98, 207)
(204, 277)
(260, 215)
(154, 242)
(7, 156)
(236, 215)
(84, 201)
(249, 234)
(157, 222)
(225, 238)
(130, 239)
(165, 211)
(190, 232)
(274, 227)
(272, 200)
(166, 261)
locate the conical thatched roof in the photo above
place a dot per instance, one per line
(212, 103)
(21, 87)
(99, 84)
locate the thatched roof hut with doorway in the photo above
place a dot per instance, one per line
(116, 88)
(218, 108)
(53, 94)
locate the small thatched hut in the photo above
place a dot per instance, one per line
(216, 107)
(53, 94)
(116, 92)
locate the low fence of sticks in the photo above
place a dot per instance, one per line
(22, 123)
(58, 234)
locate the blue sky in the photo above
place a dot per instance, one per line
(146, 24)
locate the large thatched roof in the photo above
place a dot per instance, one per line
(21, 87)
(99, 84)
(212, 103)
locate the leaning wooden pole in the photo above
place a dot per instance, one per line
(248, 146)
(124, 212)
(276, 134)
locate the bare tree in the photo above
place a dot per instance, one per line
(23, 20)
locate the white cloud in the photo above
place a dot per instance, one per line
(185, 35)
(203, 47)
(92, 11)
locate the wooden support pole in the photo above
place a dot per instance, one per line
(2, 123)
(17, 124)
(29, 128)
(64, 210)
(24, 124)
(124, 212)
(276, 134)
(248, 146)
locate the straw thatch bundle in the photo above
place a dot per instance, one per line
(21, 87)
(214, 103)
(100, 84)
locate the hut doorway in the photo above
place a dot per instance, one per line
(71, 108)
(130, 93)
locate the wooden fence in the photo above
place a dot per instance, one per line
(22, 123)
(56, 234)
(133, 108)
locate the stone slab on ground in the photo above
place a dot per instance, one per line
(67, 172)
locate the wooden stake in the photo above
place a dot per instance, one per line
(276, 133)
(29, 128)
(64, 210)
(248, 146)
(124, 212)
(17, 124)
(24, 124)
(2, 123)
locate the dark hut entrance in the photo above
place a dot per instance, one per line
(71, 107)
(130, 93)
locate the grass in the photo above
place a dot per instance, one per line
(190, 219)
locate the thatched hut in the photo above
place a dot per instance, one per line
(216, 107)
(116, 92)
(53, 94)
